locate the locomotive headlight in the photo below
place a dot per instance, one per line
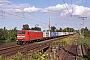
(20, 36)
(16, 40)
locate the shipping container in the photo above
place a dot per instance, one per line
(66, 33)
(46, 34)
(52, 34)
(49, 34)
(56, 34)
(71, 32)
(61, 33)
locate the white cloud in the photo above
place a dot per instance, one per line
(4, 1)
(7, 6)
(58, 10)
(16, 11)
(31, 9)
(80, 10)
(61, 12)
(53, 8)
(66, 9)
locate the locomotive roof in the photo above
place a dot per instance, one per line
(34, 31)
(30, 30)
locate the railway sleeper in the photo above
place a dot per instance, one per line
(84, 51)
(79, 51)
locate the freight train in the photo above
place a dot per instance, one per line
(27, 36)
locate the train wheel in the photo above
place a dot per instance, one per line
(24, 42)
(18, 42)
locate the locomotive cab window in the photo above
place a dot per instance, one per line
(21, 32)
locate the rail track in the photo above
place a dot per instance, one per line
(83, 50)
(69, 51)
(12, 49)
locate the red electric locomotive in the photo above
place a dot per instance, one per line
(26, 36)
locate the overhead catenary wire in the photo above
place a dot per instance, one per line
(67, 8)
(24, 17)
(72, 6)
(36, 20)
(41, 22)
(22, 14)
(72, 9)
(2, 15)
(82, 2)
(83, 17)
(69, 11)
(86, 3)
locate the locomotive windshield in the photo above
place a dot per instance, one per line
(21, 32)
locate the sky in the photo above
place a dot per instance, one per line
(62, 13)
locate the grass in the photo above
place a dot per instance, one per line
(81, 58)
(64, 41)
(82, 40)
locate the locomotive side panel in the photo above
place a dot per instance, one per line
(35, 35)
(25, 36)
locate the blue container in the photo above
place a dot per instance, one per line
(53, 34)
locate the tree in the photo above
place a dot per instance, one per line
(86, 29)
(1, 34)
(26, 27)
(14, 31)
(5, 33)
(36, 28)
(53, 28)
(57, 30)
(68, 29)
(65, 30)
(60, 29)
(82, 31)
(86, 32)
(71, 29)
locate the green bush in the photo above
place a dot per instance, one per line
(35, 56)
(7, 41)
(0, 57)
(13, 58)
